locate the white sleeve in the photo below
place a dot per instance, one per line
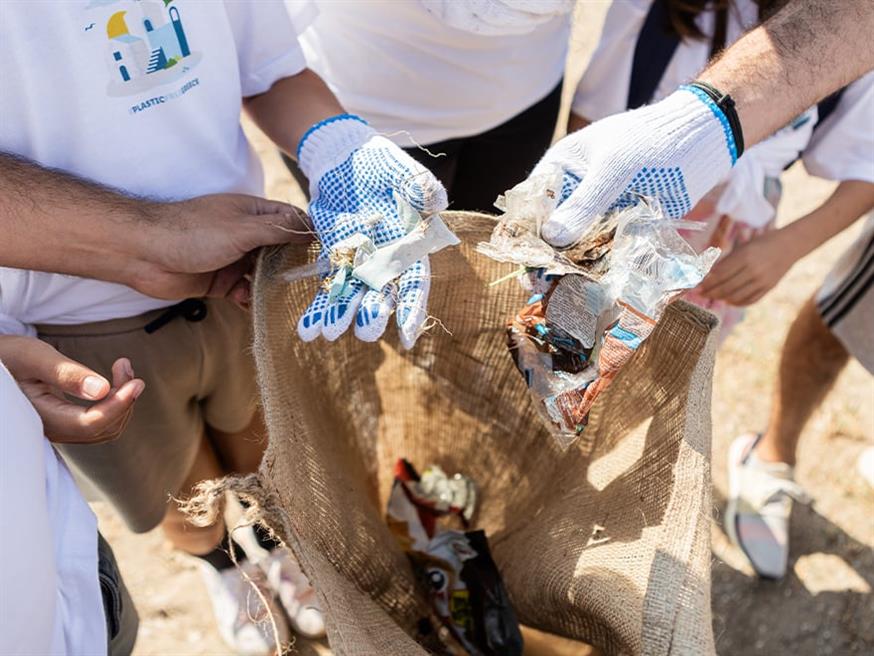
(51, 597)
(266, 41)
(743, 197)
(302, 13)
(603, 90)
(842, 148)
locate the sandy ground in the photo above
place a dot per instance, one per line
(825, 605)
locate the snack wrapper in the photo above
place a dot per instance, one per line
(464, 585)
(595, 302)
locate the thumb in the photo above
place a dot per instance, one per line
(416, 184)
(570, 220)
(278, 223)
(433, 196)
(69, 376)
(228, 278)
(259, 205)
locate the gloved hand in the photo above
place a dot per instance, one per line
(675, 151)
(356, 179)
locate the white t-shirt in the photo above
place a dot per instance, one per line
(402, 68)
(143, 96)
(842, 148)
(603, 90)
(50, 599)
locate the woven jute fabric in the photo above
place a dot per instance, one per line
(607, 543)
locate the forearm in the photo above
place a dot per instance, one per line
(851, 200)
(52, 221)
(291, 107)
(807, 50)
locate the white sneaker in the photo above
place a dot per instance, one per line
(243, 620)
(760, 502)
(297, 596)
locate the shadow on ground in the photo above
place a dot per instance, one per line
(827, 612)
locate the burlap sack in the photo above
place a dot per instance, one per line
(607, 543)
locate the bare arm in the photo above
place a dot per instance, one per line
(850, 200)
(807, 50)
(291, 107)
(53, 221)
(753, 269)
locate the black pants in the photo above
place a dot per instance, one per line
(477, 169)
(122, 619)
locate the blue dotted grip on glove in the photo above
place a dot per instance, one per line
(358, 194)
(666, 184)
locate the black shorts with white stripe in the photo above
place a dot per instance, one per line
(837, 304)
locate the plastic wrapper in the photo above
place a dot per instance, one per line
(463, 582)
(516, 238)
(358, 257)
(594, 303)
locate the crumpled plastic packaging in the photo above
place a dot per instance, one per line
(588, 315)
(358, 257)
(464, 585)
(516, 239)
(451, 494)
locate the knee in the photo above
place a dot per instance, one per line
(196, 540)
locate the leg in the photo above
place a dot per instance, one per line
(236, 438)
(761, 475)
(183, 535)
(811, 361)
(240, 452)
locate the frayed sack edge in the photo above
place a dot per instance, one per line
(206, 502)
(206, 505)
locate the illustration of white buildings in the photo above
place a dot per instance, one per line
(130, 55)
(146, 41)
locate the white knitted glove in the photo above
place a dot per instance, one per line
(675, 151)
(358, 181)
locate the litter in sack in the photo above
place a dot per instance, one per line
(464, 586)
(594, 303)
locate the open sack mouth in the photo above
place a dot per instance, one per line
(604, 542)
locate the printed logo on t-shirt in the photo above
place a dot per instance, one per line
(147, 47)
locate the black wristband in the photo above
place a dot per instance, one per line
(726, 104)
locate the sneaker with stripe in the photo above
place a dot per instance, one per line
(759, 506)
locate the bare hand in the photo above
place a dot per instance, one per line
(751, 270)
(45, 375)
(207, 245)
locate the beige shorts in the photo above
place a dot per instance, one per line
(197, 373)
(846, 298)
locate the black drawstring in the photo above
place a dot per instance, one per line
(191, 309)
